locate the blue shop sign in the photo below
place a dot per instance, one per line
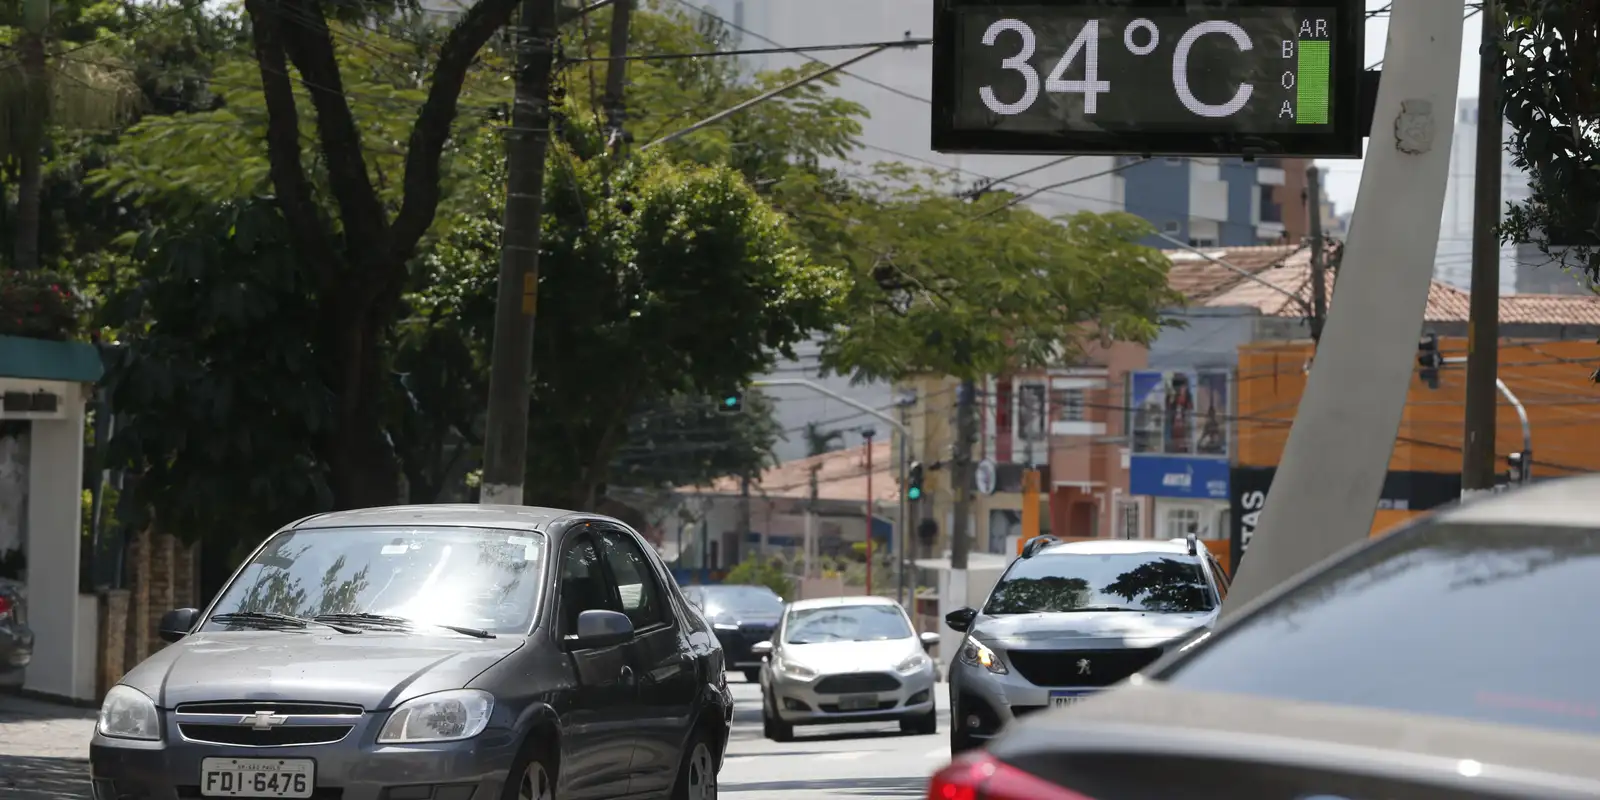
(1178, 476)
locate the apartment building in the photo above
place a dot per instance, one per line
(1211, 202)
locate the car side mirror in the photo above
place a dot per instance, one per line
(929, 639)
(961, 619)
(762, 649)
(599, 628)
(177, 623)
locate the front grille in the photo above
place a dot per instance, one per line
(858, 683)
(833, 708)
(248, 707)
(281, 736)
(1080, 667)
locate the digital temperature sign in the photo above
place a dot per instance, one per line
(1148, 78)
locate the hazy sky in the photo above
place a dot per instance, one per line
(1342, 176)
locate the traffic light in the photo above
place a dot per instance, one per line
(914, 481)
(732, 402)
(1430, 360)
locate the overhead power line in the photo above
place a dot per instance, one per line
(815, 48)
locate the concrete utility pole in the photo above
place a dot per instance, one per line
(744, 514)
(617, 75)
(866, 435)
(505, 442)
(1319, 267)
(1331, 474)
(961, 474)
(1483, 331)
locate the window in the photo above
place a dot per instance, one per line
(1482, 622)
(1130, 519)
(583, 585)
(1202, 242)
(1064, 582)
(1171, 228)
(1071, 405)
(1031, 412)
(1221, 576)
(636, 582)
(1181, 522)
(1271, 209)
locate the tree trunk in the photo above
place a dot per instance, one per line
(30, 178)
(365, 470)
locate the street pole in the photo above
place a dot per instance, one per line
(902, 538)
(744, 515)
(867, 434)
(1483, 325)
(961, 475)
(505, 442)
(616, 75)
(1319, 270)
(1331, 474)
(811, 523)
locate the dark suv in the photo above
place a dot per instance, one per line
(441, 652)
(741, 616)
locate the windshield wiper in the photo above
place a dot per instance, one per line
(274, 619)
(401, 623)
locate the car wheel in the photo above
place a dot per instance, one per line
(772, 726)
(752, 676)
(532, 776)
(921, 726)
(697, 776)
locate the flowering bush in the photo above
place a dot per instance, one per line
(38, 305)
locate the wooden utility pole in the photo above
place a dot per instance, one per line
(961, 474)
(505, 444)
(1483, 324)
(1319, 253)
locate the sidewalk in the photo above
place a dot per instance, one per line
(44, 750)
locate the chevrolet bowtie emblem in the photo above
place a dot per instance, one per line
(263, 720)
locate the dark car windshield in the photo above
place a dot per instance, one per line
(473, 577)
(1485, 622)
(858, 623)
(740, 600)
(1062, 582)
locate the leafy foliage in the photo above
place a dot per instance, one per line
(38, 305)
(758, 571)
(1552, 101)
(686, 441)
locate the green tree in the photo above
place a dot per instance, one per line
(819, 441)
(686, 441)
(758, 571)
(1552, 101)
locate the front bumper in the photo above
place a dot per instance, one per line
(16, 647)
(354, 768)
(799, 702)
(983, 702)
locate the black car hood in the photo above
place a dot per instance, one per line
(376, 670)
(768, 618)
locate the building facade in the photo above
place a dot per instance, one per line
(1210, 202)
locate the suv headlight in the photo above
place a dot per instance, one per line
(438, 717)
(913, 662)
(977, 654)
(128, 713)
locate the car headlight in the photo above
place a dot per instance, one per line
(793, 670)
(724, 626)
(128, 713)
(438, 717)
(913, 662)
(977, 654)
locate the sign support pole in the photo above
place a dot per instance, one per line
(1331, 475)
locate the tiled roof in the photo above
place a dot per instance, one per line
(1278, 276)
(841, 475)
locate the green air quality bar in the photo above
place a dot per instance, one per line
(1311, 82)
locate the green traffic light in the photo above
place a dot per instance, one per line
(914, 493)
(730, 402)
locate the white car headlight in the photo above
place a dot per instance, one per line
(977, 654)
(793, 670)
(128, 713)
(438, 717)
(912, 663)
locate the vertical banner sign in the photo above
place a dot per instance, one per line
(1248, 488)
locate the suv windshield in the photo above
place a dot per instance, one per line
(1483, 622)
(861, 623)
(473, 577)
(1063, 582)
(740, 600)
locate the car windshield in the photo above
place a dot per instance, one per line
(1484, 622)
(1161, 583)
(472, 577)
(740, 600)
(859, 623)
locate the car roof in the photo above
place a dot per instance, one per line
(1158, 719)
(1564, 502)
(826, 602)
(1114, 546)
(466, 515)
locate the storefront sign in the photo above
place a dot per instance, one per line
(1178, 476)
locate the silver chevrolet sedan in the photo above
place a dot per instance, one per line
(844, 660)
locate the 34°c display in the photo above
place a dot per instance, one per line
(1147, 78)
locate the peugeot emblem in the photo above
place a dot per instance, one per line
(1083, 666)
(263, 720)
